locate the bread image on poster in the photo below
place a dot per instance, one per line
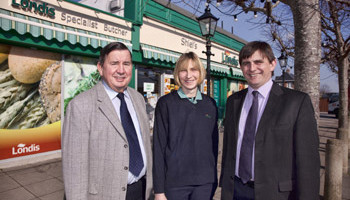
(30, 87)
(30, 101)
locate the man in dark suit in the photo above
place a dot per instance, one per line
(270, 149)
(106, 149)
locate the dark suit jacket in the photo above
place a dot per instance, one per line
(287, 162)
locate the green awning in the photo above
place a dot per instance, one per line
(36, 27)
(152, 52)
(157, 53)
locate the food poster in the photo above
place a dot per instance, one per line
(169, 84)
(232, 87)
(205, 88)
(241, 85)
(30, 101)
(80, 74)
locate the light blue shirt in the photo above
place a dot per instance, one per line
(116, 102)
(263, 96)
(192, 100)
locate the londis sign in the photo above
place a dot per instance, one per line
(32, 6)
(228, 59)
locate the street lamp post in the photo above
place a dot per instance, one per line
(207, 23)
(283, 59)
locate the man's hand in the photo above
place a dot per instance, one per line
(160, 196)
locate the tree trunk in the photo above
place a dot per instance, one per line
(307, 61)
(343, 93)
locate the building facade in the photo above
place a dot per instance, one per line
(50, 48)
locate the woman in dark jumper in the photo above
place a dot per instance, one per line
(185, 138)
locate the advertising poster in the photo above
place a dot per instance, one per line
(80, 74)
(169, 84)
(204, 85)
(216, 91)
(30, 101)
(241, 85)
(232, 87)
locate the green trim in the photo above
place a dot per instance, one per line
(223, 96)
(135, 40)
(178, 20)
(27, 40)
(134, 11)
(156, 63)
(133, 78)
(240, 78)
(157, 53)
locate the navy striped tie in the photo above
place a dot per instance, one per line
(135, 160)
(245, 158)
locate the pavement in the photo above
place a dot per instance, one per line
(43, 180)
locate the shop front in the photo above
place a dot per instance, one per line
(163, 39)
(48, 55)
(41, 45)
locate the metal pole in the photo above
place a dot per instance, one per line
(208, 53)
(283, 78)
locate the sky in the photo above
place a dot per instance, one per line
(250, 32)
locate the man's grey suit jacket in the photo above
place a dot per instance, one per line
(287, 162)
(95, 152)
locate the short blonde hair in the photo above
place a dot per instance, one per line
(182, 63)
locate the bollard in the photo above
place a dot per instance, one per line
(333, 170)
(342, 134)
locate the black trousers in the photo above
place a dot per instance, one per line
(243, 191)
(136, 191)
(192, 192)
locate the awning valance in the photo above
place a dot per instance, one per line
(152, 52)
(36, 27)
(159, 53)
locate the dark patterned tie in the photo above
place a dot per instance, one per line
(135, 161)
(245, 159)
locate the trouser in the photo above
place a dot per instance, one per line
(196, 192)
(243, 191)
(136, 191)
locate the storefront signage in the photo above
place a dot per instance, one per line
(188, 43)
(73, 20)
(227, 59)
(88, 23)
(69, 14)
(31, 6)
(160, 35)
(148, 87)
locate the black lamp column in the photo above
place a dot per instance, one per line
(208, 53)
(207, 23)
(283, 59)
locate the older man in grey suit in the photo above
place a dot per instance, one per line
(106, 150)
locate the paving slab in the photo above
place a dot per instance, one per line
(46, 187)
(29, 178)
(54, 196)
(7, 183)
(17, 194)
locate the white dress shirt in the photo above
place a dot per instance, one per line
(116, 102)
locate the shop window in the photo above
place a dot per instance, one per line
(153, 83)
